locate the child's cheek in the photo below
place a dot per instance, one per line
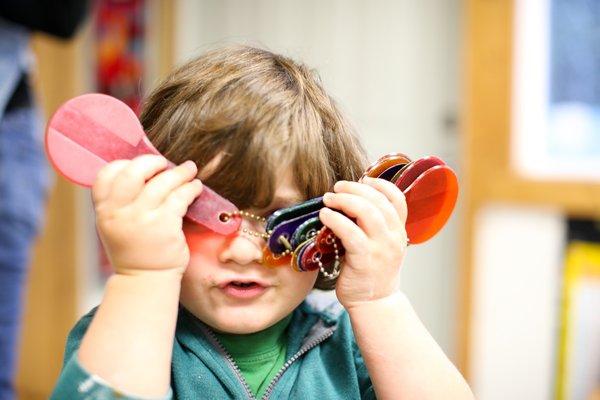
(194, 241)
(204, 248)
(205, 242)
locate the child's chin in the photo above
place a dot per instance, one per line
(244, 323)
(241, 327)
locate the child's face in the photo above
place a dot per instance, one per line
(210, 290)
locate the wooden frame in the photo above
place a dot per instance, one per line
(487, 173)
(51, 301)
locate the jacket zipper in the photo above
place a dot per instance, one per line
(308, 346)
(289, 362)
(231, 362)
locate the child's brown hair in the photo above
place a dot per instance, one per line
(261, 112)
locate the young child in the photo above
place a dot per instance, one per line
(190, 314)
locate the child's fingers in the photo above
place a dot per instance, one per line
(352, 237)
(105, 178)
(374, 196)
(131, 180)
(368, 217)
(180, 199)
(161, 186)
(393, 194)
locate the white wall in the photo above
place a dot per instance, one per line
(518, 260)
(393, 65)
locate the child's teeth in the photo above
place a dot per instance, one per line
(243, 284)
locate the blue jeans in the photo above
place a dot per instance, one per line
(23, 189)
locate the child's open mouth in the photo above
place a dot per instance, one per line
(243, 290)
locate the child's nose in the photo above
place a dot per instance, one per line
(244, 248)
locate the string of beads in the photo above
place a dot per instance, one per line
(226, 216)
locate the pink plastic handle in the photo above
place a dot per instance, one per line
(91, 130)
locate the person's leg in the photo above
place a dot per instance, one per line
(23, 185)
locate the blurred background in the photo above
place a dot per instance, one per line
(507, 92)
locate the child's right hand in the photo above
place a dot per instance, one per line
(139, 211)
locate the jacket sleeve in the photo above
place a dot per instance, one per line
(75, 383)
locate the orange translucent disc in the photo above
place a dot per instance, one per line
(272, 261)
(430, 200)
(385, 162)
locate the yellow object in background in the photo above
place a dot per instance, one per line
(578, 373)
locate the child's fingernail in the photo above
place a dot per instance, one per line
(189, 164)
(327, 196)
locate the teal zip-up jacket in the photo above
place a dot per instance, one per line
(323, 362)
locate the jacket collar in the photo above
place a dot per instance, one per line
(313, 321)
(317, 313)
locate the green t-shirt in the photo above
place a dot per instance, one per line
(260, 355)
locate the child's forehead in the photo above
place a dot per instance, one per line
(286, 191)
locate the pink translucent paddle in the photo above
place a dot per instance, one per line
(89, 131)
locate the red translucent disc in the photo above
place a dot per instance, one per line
(430, 200)
(412, 171)
(91, 130)
(312, 255)
(325, 242)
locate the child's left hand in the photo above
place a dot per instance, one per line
(375, 245)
